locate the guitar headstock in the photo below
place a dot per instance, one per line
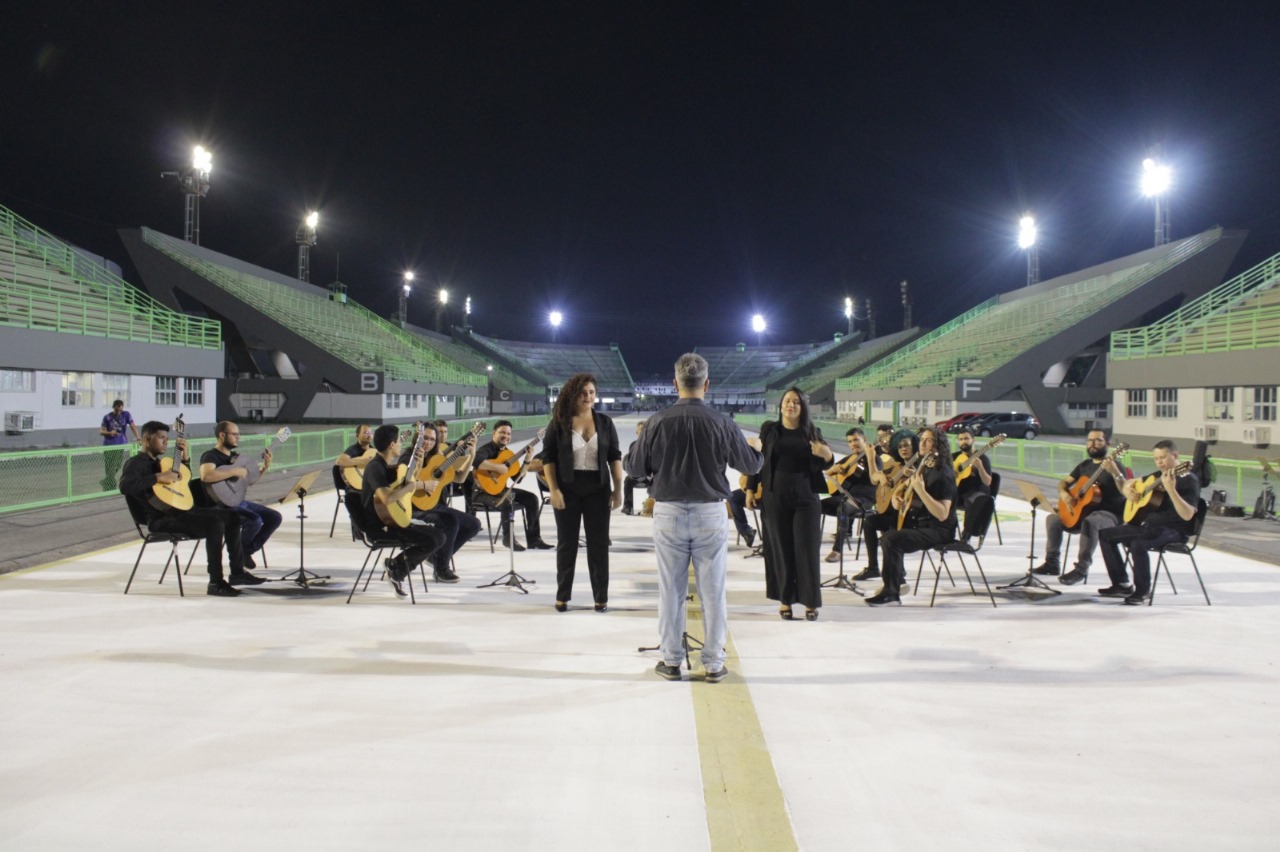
(542, 433)
(283, 434)
(1120, 449)
(998, 440)
(179, 427)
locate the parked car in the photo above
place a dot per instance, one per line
(1015, 424)
(969, 422)
(945, 425)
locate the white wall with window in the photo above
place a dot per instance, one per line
(1226, 414)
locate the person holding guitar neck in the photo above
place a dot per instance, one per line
(1106, 515)
(932, 518)
(853, 471)
(1170, 522)
(458, 527)
(215, 525)
(419, 540)
(630, 483)
(979, 481)
(356, 456)
(258, 522)
(902, 448)
(581, 460)
(526, 500)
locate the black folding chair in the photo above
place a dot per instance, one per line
(976, 523)
(378, 542)
(173, 538)
(1186, 548)
(995, 492)
(340, 486)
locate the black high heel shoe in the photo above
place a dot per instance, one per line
(561, 606)
(810, 615)
(785, 613)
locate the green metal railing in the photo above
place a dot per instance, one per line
(33, 479)
(48, 286)
(1241, 479)
(1191, 328)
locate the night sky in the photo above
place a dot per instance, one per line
(657, 171)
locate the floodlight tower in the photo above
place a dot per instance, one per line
(306, 237)
(555, 318)
(848, 313)
(1027, 242)
(466, 314)
(402, 315)
(758, 325)
(871, 321)
(442, 309)
(906, 306)
(1156, 180)
(194, 181)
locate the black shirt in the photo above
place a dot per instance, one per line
(376, 475)
(136, 481)
(973, 483)
(940, 483)
(1165, 515)
(1112, 498)
(685, 450)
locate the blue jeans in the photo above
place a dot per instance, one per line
(697, 533)
(257, 524)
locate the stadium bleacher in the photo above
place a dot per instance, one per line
(828, 369)
(503, 379)
(558, 361)
(743, 367)
(47, 285)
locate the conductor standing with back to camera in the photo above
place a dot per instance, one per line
(580, 460)
(794, 458)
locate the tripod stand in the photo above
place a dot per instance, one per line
(687, 642)
(1264, 508)
(299, 490)
(1031, 582)
(842, 580)
(511, 578)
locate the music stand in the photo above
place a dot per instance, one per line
(299, 490)
(1030, 582)
(687, 641)
(511, 578)
(841, 580)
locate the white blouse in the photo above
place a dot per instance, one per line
(586, 454)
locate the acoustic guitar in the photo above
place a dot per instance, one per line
(835, 483)
(173, 497)
(231, 492)
(441, 469)
(964, 462)
(1086, 494)
(493, 483)
(1150, 495)
(902, 490)
(399, 513)
(354, 476)
(894, 473)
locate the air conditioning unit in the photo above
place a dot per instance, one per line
(1259, 436)
(17, 422)
(1207, 432)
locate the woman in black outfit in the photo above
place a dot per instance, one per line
(580, 458)
(794, 459)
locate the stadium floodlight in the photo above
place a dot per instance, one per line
(1027, 234)
(306, 238)
(1157, 179)
(313, 219)
(402, 315)
(202, 161)
(194, 181)
(444, 296)
(489, 367)
(848, 312)
(555, 318)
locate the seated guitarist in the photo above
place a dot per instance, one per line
(419, 540)
(526, 500)
(904, 445)
(856, 478)
(1167, 523)
(630, 483)
(979, 480)
(458, 527)
(1106, 515)
(355, 456)
(258, 522)
(142, 473)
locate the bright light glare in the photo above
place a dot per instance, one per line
(408, 276)
(201, 160)
(556, 318)
(313, 219)
(1156, 178)
(489, 367)
(1026, 232)
(406, 290)
(848, 307)
(444, 296)
(468, 304)
(757, 324)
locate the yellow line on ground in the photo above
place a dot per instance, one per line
(745, 808)
(33, 568)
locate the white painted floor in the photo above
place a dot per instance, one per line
(482, 719)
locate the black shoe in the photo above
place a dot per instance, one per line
(669, 672)
(561, 606)
(868, 574)
(627, 510)
(248, 562)
(885, 597)
(785, 613)
(220, 589)
(539, 544)
(750, 538)
(1137, 599)
(396, 576)
(810, 615)
(445, 575)
(244, 578)
(1074, 576)
(1047, 569)
(716, 676)
(1116, 591)
(602, 607)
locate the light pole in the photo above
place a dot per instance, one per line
(758, 325)
(1027, 242)
(306, 237)
(555, 318)
(194, 181)
(848, 313)
(906, 306)
(1156, 180)
(466, 315)
(402, 315)
(442, 309)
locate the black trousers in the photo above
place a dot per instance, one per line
(793, 545)
(1140, 540)
(586, 505)
(897, 542)
(422, 539)
(838, 506)
(217, 526)
(458, 528)
(629, 485)
(872, 526)
(525, 501)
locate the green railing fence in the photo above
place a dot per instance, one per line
(34, 479)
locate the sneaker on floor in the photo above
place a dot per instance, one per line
(397, 576)
(1047, 569)
(749, 537)
(669, 672)
(717, 676)
(539, 544)
(244, 578)
(833, 556)
(1137, 598)
(220, 589)
(1074, 576)
(1116, 591)
(445, 575)
(868, 574)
